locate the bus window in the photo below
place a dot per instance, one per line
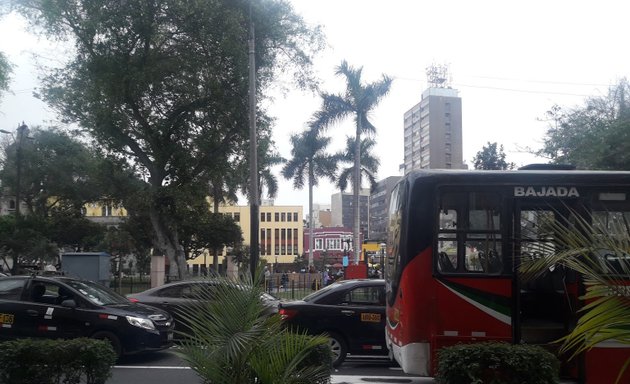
(537, 233)
(469, 236)
(483, 239)
(447, 241)
(613, 225)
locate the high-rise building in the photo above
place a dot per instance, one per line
(433, 127)
(342, 210)
(379, 207)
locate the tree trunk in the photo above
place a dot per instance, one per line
(356, 189)
(168, 242)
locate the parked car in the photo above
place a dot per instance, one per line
(350, 312)
(63, 307)
(172, 296)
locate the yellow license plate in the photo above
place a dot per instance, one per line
(6, 318)
(371, 317)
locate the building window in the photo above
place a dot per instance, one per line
(269, 216)
(289, 216)
(334, 244)
(277, 216)
(12, 205)
(283, 241)
(277, 238)
(295, 240)
(289, 242)
(283, 217)
(319, 244)
(106, 210)
(262, 216)
(263, 242)
(237, 217)
(295, 216)
(269, 241)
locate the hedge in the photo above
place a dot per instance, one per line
(47, 361)
(496, 363)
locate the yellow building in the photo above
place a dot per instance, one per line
(281, 232)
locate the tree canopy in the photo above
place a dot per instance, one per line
(491, 157)
(163, 85)
(593, 136)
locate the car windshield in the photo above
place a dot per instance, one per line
(97, 293)
(313, 296)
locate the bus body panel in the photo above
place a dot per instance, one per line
(463, 306)
(410, 330)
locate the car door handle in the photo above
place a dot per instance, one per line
(347, 312)
(32, 312)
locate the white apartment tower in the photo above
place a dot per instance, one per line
(433, 127)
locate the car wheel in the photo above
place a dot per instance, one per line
(113, 340)
(338, 347)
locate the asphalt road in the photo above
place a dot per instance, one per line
(166, 367)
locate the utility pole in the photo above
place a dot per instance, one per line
(253, 153)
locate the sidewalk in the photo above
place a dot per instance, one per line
(357, 379)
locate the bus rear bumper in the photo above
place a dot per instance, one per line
(413, 358)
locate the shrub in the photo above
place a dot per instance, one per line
(57, 361)
(496, 363)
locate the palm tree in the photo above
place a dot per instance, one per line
(268, 158)
(223, 189)
(230, 337)
(358, 101)
(369, 163)
(598, 250)
(311, 162)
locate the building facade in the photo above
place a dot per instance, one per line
(342, 210)
(433, 131)
(330, 245)
(379, 208)
(281, 233)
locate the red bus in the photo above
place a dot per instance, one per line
(455, 241)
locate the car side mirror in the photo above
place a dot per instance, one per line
(69, 303)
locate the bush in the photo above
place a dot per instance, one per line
(496, 363)
(57, 361)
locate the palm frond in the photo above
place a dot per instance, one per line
(598, 248)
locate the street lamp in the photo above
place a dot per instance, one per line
(18, 162)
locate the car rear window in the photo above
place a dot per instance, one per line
(11, 289)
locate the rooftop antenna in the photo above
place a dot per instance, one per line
(438, 76)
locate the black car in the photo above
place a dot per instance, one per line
(350, 312)
(172, 296)
(62, 307)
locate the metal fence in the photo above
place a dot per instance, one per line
(130, 284)
(292, 286)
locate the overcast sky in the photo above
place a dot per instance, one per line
(511, 61)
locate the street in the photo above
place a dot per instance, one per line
(167, 367)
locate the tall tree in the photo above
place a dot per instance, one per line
(369, 163)
(223, 190)
(594, 136)
(309, 163)
(358, 101)
(491, 157)
(163, 84)
(5, 72)
(56, 170)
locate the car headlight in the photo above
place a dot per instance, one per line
(140, 322)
